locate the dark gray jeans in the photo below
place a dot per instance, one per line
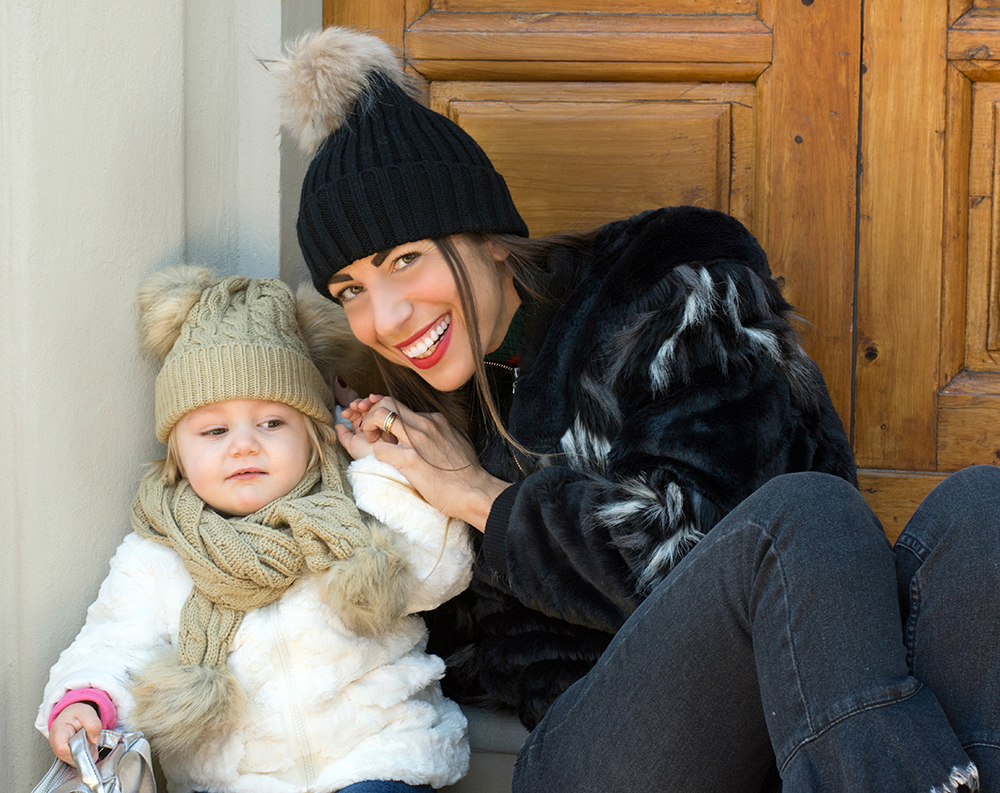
(778, 642)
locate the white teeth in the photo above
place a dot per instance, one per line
(420, 349)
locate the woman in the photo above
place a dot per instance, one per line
(679, 587)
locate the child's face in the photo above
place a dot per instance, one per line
(240, 455)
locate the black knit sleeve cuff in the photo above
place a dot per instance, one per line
(495, 536)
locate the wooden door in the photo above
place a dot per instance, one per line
(927, 398)
(862, 173)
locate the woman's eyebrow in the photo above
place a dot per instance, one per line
(377, 260)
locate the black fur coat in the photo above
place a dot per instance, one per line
(661, 386)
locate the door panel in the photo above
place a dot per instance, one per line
(927, 397)
(969, 403)
(610, 38)
(620, 6)
(900, 234)
(673, 144)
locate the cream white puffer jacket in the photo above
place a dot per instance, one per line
(328, 708)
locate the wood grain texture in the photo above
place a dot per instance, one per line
(971, 384)
(643, 146)
(992, 288)
(608, 25)
(968, 432)
(956, 9)
(976, 17)
(599, 6)
(674, 178)
(982, 213)
(589, 38)
(809, 115)
(496, 90)
(978, 70)
(901, 234)
(956, 226)
(895, 495)
(973, 44)
(577, 71)
(386, 20)
(975, 35)
(969, 421)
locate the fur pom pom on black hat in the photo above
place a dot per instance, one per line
(387, 170)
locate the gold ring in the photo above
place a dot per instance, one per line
(387, 424)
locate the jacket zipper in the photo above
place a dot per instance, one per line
(515, 372)
(298, 724)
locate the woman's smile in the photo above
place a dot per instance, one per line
(427, 347)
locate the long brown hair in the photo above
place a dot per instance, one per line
(525, 257)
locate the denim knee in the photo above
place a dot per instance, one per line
(964, 508)
(811, 502)
(811, 488)
(972, 492)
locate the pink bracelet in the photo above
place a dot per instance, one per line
(94, 696)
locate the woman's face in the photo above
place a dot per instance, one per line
(404, 304)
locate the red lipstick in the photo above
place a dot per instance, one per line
(439, 350)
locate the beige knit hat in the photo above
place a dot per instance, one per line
(224, 339)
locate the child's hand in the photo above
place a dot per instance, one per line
(72, 718)
(354, 442)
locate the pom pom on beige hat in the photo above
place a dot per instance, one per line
(225, 339)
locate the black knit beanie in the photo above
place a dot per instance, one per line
(388, 170)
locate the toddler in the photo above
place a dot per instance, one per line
(256, 626)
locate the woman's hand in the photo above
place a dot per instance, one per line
(71, 719)
(429, 452)
(343, 393)
(355, 412)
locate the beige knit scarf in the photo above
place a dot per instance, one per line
(239, 564)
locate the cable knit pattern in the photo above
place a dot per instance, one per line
(327, 707)
(239, 340)
(238, 564)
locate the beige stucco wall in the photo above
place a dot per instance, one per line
(133, 135)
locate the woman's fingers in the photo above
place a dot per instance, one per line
(357, 412)
(369, 428)
(343, 393)
(434, 457)
(387, 414)
(364, 404)
(395, 422)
